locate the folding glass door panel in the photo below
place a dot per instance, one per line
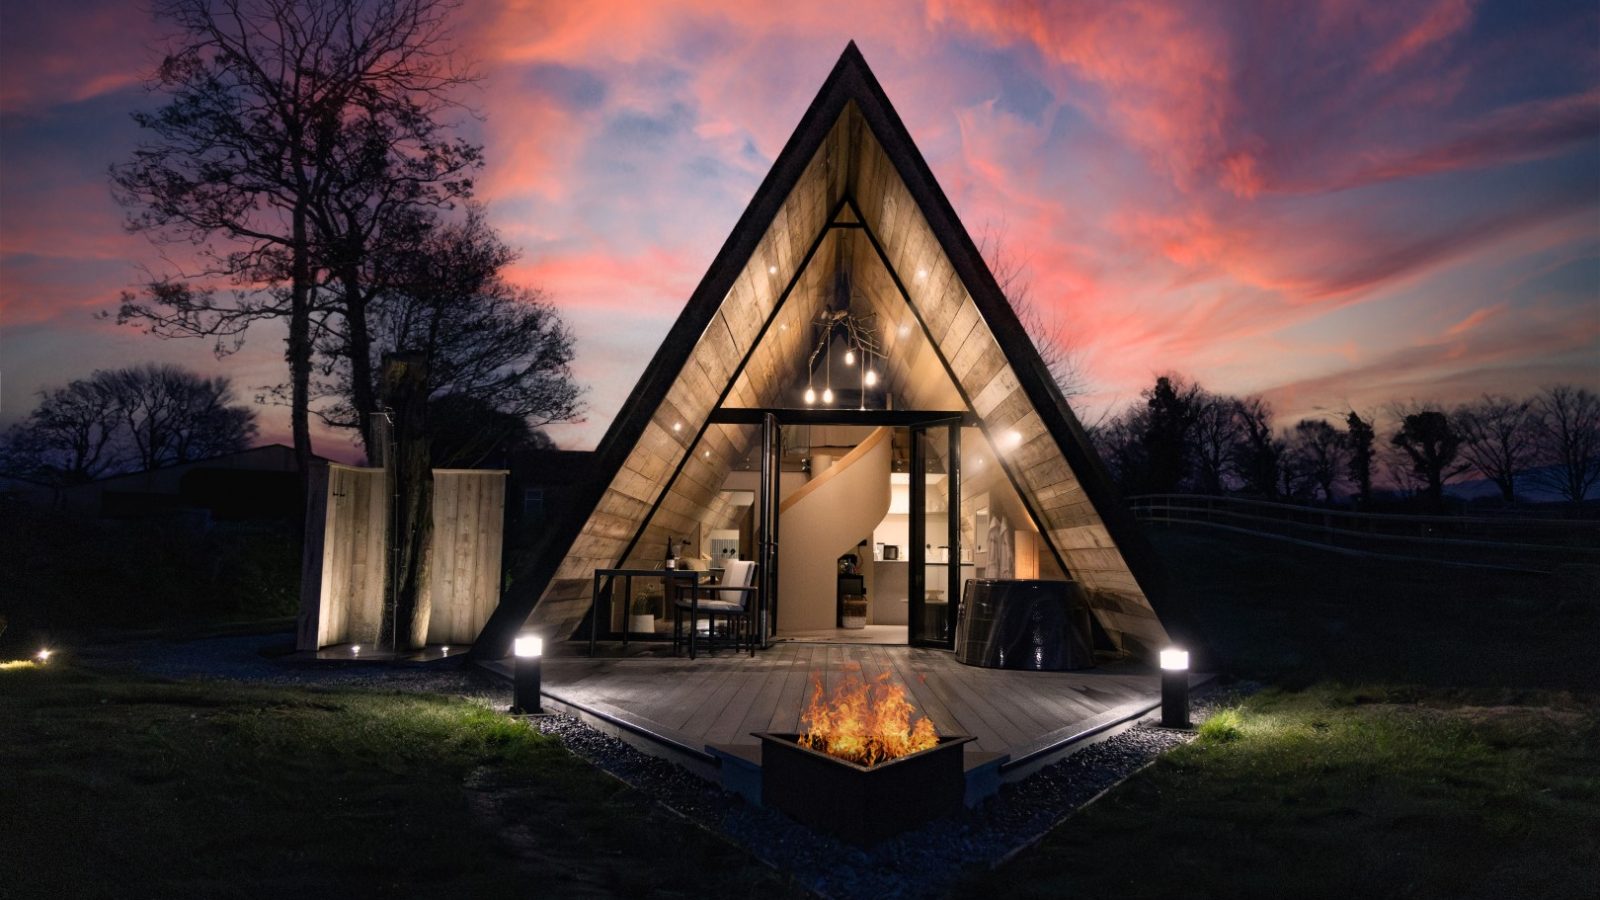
(934, 579)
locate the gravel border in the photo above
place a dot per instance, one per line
(927, 861)
(924, 862)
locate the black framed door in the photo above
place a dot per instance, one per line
(934, 580)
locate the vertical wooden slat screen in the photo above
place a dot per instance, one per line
(343, 566)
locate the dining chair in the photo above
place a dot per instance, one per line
(732, 600)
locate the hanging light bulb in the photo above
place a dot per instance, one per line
(872, 377)
(827, 368)
(849, 357)
(811, 395)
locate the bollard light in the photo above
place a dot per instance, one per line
(528, 650)
(1174, 688)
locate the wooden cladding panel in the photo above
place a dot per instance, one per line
(849, 161)
(351, 556)
(468, 520)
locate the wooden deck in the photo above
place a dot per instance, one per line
(707, 708)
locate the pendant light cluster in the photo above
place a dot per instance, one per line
(861, 351)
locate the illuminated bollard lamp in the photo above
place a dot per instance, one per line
(527, 650)
(1175, 688)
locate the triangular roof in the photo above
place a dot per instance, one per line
(849, 160)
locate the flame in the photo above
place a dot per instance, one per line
(865, 722)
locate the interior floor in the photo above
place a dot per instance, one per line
(871, 634)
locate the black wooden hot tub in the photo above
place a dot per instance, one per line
(1024, 624)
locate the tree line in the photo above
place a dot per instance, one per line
(126, 420)
(1180, 437)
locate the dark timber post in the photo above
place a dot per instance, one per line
(767, 539)
(952, 483)
(917, 576)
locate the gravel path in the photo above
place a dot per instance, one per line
(257, 659)
(925, 862)
(921, 863)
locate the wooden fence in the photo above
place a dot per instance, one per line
(1491, 542)
(346, 556)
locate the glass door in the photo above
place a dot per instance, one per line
(934, 580)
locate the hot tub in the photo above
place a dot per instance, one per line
(1024, 624)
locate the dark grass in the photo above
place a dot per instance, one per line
(69, 579)
(1432, 732)
(1340, 793)
(119, 787)
(1295, 616)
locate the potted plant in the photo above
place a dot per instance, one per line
(642, 615)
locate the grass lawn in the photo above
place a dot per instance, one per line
(1432, 732)
(1334, 792)
(1425, 732)
(119, 787)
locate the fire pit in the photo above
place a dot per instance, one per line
(866, 768)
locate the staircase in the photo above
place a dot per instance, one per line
(821, 522)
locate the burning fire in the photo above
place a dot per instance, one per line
(865, 723)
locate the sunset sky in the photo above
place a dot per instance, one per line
(1328, 203)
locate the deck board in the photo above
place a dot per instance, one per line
(722, 699)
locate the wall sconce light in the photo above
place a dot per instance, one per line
(1175, 688)
(528, 650)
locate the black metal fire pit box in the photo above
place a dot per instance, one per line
(861, 804)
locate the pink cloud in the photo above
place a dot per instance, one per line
(1477, 318)
(50, 56)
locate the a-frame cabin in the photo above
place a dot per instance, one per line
(849, 220)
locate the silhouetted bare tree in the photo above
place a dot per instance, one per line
(1120, 442)
(270, 107)
(1318, 454)
(480, 337)
(140, 417)
(1218, 430)
(1499, 438)
(1260, 455)
(71, 436)
(1569, 441)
